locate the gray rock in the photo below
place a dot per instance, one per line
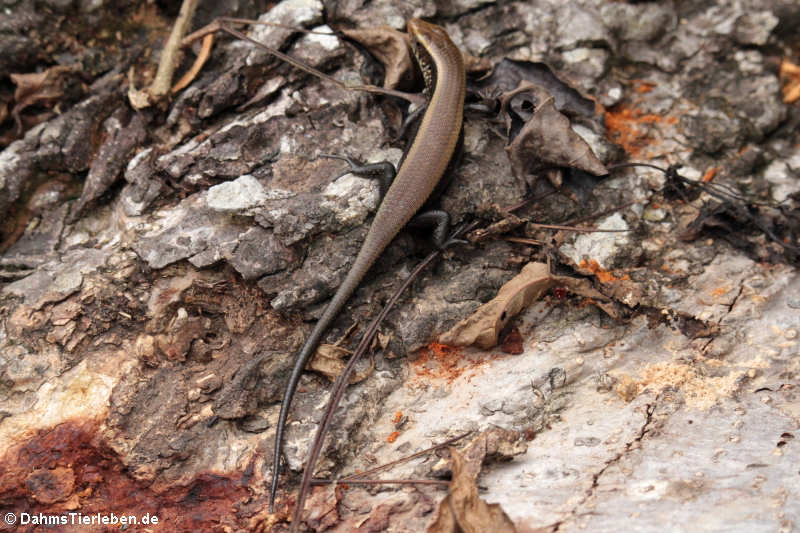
(240, 194)
(754, 27)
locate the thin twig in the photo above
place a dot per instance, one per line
(417, 99)
(359, 481)
(523, 240)
(387, 466)
(216, 25)
(573, 228)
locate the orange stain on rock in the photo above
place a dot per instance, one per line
(710, 173)
(603, 275)
(627, 126)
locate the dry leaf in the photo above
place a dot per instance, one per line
(37, 88)
(330, 361)
(484, 325)
(462, 511)
(392, 49)
(545, 139)
(791, 74)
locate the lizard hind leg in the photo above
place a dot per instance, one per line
(437, 219)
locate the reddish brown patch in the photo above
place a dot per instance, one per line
(512, 343)
(529, 433)
(439, 361)
(628, 127)
(68, 469)
(603, 276)
(398, 416)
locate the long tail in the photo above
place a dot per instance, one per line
(366, 257)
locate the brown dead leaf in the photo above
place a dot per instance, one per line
(462, 511)
(544, 139)
(330, 361)
(38, 88)
(392, 49)
(790, 73)
(484, 325)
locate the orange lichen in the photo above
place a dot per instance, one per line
(393, 437)
(398, 416)
(440, 361)
(603, 275)
(628, 126)
(710, 173)
(720, 291)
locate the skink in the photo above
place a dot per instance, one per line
(422, 167)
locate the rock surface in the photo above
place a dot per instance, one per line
(160, 268)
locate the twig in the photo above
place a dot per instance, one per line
(359, 481)
(218, 25)
(169, 55)
(523, 240)
(575, 229)
(387, 466)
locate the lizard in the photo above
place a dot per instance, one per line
(422, 167)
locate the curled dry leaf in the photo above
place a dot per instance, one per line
(392, 49)
(544, 139)
(462, 510)
(38, 88)
(508, 74)
(483, 327)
